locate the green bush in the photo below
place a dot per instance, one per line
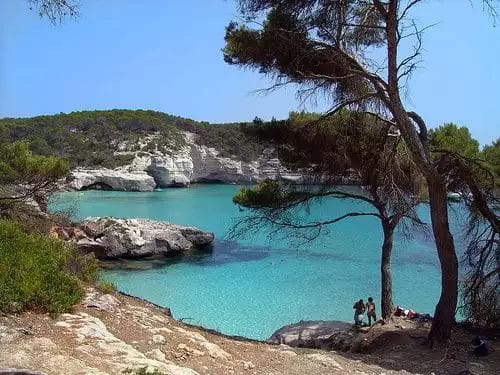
(106, 287)
(266, 194)
(40, 272)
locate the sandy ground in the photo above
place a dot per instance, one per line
(113, 334)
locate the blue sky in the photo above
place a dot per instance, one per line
(165, 55)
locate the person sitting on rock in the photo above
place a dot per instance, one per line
(370, 311)
(359, 310)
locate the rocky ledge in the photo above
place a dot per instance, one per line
(112, 238)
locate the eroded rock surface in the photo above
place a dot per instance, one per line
(111, 238)
(96, 340)
(110, 334)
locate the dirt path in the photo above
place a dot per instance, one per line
(108, 334)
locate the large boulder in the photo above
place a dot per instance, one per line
(310, 334)
(111, 238)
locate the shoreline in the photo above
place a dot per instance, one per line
(205, 329)
(202, 328)
(113, 333)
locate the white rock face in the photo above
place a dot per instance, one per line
(192, 163)
(110, 238)
(168, 170)
(111, 179)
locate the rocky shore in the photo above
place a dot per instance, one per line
(113, 238)
(191, 164)
(117, 334)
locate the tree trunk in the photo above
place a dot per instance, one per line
(385, 268)
(497, 257)
(445, 309)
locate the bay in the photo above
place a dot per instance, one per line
(252, 286)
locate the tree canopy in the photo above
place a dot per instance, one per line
(491, 155)
(453, 138)
(24, 176)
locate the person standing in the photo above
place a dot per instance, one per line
(359, 310)
(370, 311)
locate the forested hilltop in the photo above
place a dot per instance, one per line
(93, 138)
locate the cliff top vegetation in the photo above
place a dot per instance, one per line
(94, 138)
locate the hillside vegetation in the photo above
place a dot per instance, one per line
(39, 272)
(93, 138)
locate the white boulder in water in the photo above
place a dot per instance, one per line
(111, 238)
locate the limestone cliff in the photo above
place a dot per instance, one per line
(190, 164)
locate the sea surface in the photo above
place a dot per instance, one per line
(252, 286)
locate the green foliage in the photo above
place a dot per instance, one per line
(298, 42)
(94, 138)
(452, 138)
(232, 140)
(491, 155)
(91, 138)
(24, 176)
(266, 194)
(27, 217)
(40, 272)
(459, 140)
(345, 145)
(106, 287)
(19, 166)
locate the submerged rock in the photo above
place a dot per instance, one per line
(310, 334)
(111, 238)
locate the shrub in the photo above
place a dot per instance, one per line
(266, 194)
(40, 272)
(106, 287)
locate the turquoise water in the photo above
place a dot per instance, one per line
(251, 287)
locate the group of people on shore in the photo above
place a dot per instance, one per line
(359, 311)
